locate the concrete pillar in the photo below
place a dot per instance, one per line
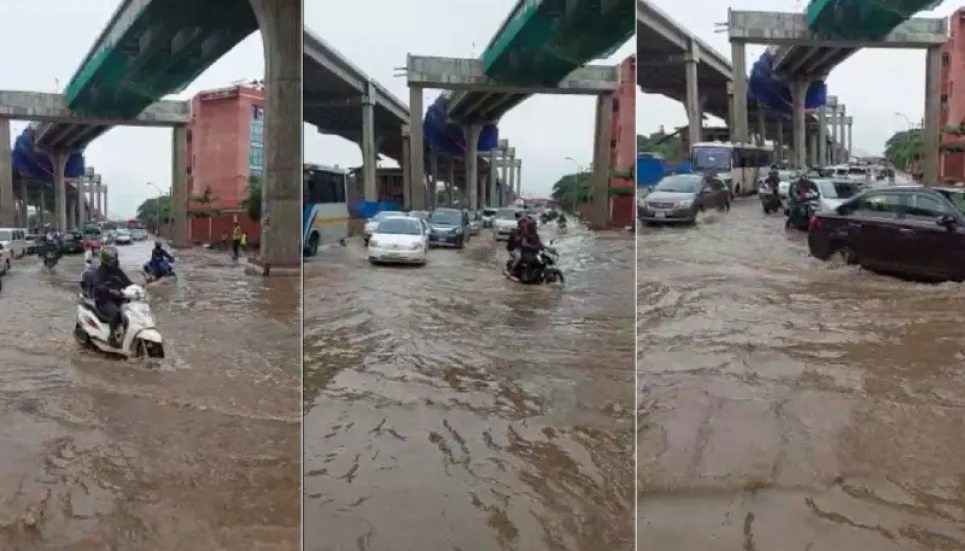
(505, 178)
(369, 154)
(42, 209)
(107, 194)
(59, 163)
(519, 177)
(779, 149)
(692, 104)
(813, 149)
(471, 133)
(8, 207)
(931, 127)
(280, 22)
(798, 91)
(600, 182)
(99, 199)
(451, 182)
(731, 113)
(25, 200)
(761, 128)
(433, 179)
(406, 163)
(849, 125)
(842, 115)
(492, 197)
(510, 171)
(78, 202)
(822, 135)
(416, 145)
(179, 187)
(739, 60)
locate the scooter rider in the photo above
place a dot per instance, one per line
(158, 255)
(798, 194)
(773, 179)
(107, 282)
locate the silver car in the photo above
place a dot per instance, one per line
(504, 223)
(475, 223)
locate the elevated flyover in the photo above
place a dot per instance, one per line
(341, 100)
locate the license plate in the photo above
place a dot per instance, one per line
(660, 215)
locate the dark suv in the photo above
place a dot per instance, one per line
(448, 227)
(906, 230)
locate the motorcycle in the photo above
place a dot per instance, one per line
(164, 269)
(799, 215)
(561, 224)
(139, 336)
(51, 258)
(770, 200)
(543, 270)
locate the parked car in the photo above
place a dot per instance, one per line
(73, 242)
(14, 241)
(399, 239)
(449, 227)
(123, 237)
(139, 234)
(373, 223)
(912, 231)
(680, 197)
(4, 261)
(475, 222)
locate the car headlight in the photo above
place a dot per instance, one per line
(684, 203)
(457, 230)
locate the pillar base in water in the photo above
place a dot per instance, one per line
(255, 266)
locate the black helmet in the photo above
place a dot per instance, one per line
(109, 256)
(158, 245)
(518, 215)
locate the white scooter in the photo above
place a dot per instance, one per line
(140, 337)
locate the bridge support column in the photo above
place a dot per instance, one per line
(492, 196)
(600, 180)
(60, 190)
(823, 135)
(8, 207)
(451, 182)
(370, 155)
(839, 149)
(694, 114)
(406, 163)
(761, 129)
(280, 22)
(931, 126)
(433, 179)
(42, 208)
(106, 190)
(779, 150)
(799, 89)
(519, 177)
(179, 187)
(24, 202)
(510, 166)
(849, 122)
(416, 148)
(813, 149)
(78, 201)
(472, 164)
(739, 124)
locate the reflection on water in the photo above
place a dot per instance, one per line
(448, 408)
(785, 403)
(201, 452)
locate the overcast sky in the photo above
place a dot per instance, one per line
(873, 84)
(44, 42)
(545, 129)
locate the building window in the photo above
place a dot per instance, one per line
(944, 100)
(256, 157)
(945, 59)
(257, 112)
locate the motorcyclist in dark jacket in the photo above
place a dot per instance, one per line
(158, 255)
(107, 282)
(798, 194)
(773, 179)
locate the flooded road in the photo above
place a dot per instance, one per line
(201, 452)
(790, 404)
(448, 408)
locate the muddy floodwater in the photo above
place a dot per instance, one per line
(200, 452)
(786, 404)
(448, 408)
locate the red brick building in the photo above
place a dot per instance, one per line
(225, 148)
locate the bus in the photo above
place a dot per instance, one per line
(741, 166)
(325, 216)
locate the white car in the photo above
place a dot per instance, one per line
(123, 237)
(372, 223)
(399, 239)
(832, 194)
(4, 260)
(504, 223)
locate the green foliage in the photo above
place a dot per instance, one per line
(207, 203)
(155, 211)
(572, 189)
(669, 147)
(906, 147)
(252, 200)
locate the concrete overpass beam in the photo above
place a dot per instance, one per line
(931, 127)
(791, 29)
(179, 187)
(416, 148)
(739, 126)
(8, 207)
(280, 22)
(369, 152)
(600, 184)
(694, 115)
(799, 89)
(472, 132)
(448, 73)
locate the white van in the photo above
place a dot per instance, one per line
(14, 240)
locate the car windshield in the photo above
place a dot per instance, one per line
(400, 226)
(123, 232)
(837, 190)
(679, 184)
(447, 217)
(506, 214)
(418, 214)
(386, 214)
(711, 158)
(956, 197)
(489, 212)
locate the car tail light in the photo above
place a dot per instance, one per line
(814, 222)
